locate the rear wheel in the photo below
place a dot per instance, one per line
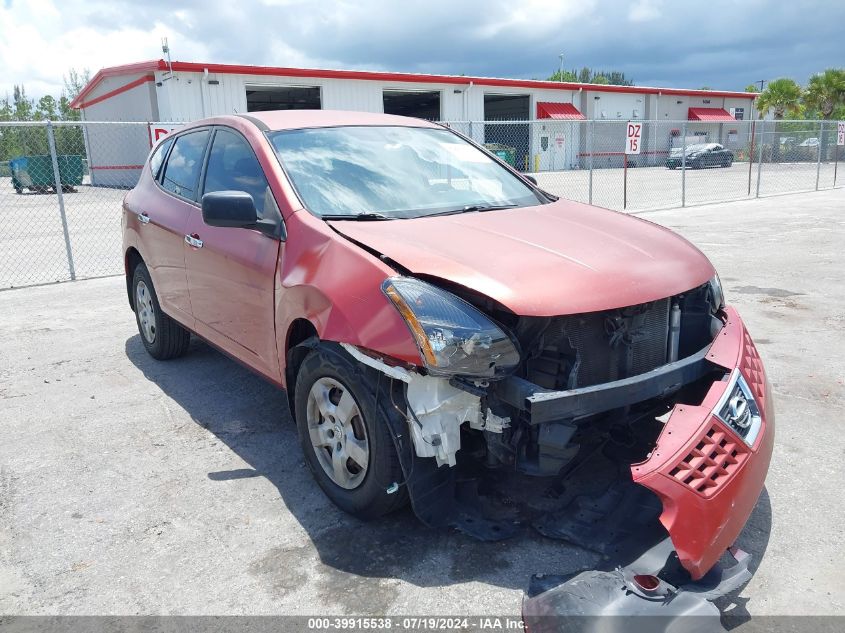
(344, 433)
(162, 337)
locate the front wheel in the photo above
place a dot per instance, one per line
(341, 418)
(162, 337)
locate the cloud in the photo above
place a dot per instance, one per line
(723, 45)
(644, 10)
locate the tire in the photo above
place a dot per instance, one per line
(163, 338)
(728, 163)
(672, 166)
(349, 413)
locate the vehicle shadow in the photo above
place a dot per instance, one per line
(250, 416)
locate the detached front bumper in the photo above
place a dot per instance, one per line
(705, 474)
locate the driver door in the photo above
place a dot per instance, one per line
(231, 271)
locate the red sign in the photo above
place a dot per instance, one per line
(160, 130)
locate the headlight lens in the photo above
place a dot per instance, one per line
(716, 293)
(453, 336)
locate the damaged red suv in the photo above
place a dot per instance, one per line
(438, 320)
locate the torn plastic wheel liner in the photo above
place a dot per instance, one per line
(632, 599)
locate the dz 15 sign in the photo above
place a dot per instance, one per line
(633, 137)
(840, 133)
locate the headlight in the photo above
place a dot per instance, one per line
(717, 295)
(453, 336)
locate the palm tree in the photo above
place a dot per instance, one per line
(825, 91)
(781, 96)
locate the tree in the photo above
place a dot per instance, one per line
(75, 81)
(751, 88)
(825, 91)
(568, 75)
(589, 76)
(46, 109)
(781, 96)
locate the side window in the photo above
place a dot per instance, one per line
(158, 157)
(232, 166)
(184, 164)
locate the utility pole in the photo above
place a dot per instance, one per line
(762, 82)
(560, 78)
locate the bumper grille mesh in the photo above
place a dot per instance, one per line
(752, 369)
(714, 460)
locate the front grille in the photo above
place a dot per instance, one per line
(712, 462)
(590, 349)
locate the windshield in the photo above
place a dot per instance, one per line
(394, 172)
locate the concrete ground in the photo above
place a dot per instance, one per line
(32, 242)
(130, 486)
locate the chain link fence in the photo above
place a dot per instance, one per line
(61, 184)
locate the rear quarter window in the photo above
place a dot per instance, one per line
(184, 164)
(158, 157)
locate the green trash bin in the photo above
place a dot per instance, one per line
(504, 152)
(36, 172)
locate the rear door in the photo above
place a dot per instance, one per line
(231, 271)
(165, 216)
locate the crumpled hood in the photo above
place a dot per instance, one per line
(552, 259)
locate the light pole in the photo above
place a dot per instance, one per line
(560, 78)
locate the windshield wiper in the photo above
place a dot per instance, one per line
(470, 208)
(358, 216)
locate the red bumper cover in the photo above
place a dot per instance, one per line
(706, 476)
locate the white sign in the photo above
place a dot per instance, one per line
(840, 134)
(633, 137)
(560, 139)
(160, 130)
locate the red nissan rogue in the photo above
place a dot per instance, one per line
(439, 320)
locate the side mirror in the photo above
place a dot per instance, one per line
(236, 209)
(530, 178)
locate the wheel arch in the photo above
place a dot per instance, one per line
(300, 338)
(131, 259)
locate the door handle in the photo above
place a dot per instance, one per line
(143, 218)
(193, 240)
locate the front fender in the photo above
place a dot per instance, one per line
(336, 286)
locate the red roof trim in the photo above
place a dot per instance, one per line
(709, 114)
(116, 91)
(561, 111)
(113, 71)
(312, 73)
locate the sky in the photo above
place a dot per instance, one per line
(720, 44)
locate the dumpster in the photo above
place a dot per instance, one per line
(504, 152)
(36, 172)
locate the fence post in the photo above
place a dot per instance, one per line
(684, 164)
(591, 132)
(760, 156)
(819, 153)
(51, 141)
(751, 153)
